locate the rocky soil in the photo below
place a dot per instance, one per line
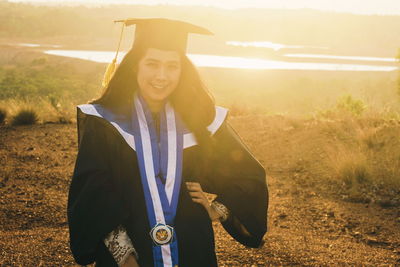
(311, 223)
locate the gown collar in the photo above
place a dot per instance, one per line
(123, 125)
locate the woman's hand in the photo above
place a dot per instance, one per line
(130, 262)
(198, 196)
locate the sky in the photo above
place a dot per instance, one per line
(384, 7)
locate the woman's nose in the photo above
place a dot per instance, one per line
(161, 73)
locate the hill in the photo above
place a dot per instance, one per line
(342, 33)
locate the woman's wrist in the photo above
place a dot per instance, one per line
(212, 212)
(120, 245)
(221, 210)
(130, 261)
(215, 210)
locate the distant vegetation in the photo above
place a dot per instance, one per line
(42, 80)
(346, 33)
(303, 92)
(52, 87)
(346, 104)
(349, 104)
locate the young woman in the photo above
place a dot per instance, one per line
(148, 147)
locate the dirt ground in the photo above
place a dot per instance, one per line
(310, 222)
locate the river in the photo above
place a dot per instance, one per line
(214, 61)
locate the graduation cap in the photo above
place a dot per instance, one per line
(163, 33)
(157, 33)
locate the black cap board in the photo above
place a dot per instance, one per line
(163, 33)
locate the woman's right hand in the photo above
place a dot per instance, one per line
(197, 194)
(130, 262)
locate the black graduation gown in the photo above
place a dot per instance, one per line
(106, 191)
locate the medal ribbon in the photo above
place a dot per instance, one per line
(159, 163)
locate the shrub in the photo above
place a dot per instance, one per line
(3, 115)
(349, 104)
(25, 117)
(345, 105)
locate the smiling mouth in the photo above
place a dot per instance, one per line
(159, 87)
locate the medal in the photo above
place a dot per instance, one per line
(162, 234)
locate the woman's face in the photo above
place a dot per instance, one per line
(158, 74)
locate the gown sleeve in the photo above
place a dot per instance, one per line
(240, 185)
(94, 207)
(120, 245)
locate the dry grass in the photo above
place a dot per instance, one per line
(389, 172)
(350, 166)
(365, 158)
(25, 117)
(45, 110)
(369, 138)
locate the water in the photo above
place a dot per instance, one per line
(274, 46)
(231, 62)
(378, 59)
(96, 56)
(38, 45)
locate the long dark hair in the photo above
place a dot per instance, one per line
(191, 99)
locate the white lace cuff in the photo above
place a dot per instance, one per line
(221, 209)
(120, 245)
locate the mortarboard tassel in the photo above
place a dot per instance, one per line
(109, 72)
(113, 65)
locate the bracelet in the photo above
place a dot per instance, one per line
(221, 209)
(120, 245)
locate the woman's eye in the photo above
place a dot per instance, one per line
(151, 64)
(173, 67)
